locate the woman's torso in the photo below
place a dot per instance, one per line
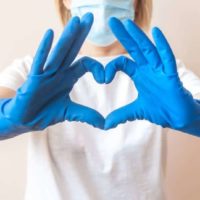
(75, 161)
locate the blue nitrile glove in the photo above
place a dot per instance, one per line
(162, 99)
(43, 100)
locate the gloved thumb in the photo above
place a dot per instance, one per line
(121, 115)
(80, 113)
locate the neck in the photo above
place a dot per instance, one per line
(88, 49)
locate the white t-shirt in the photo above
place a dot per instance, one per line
(74, 161)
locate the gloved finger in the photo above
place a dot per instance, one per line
(84, 65)
(121, 63)
(126, 40)
(42, 53)
(80, 113)
(165, 52)
(85, 26)
(126, 113)
(63, 46)
(144, 43)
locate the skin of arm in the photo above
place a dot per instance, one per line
(197, 96)
(6, 93)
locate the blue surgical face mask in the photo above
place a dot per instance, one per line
(100, 33)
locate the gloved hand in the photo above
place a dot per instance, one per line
(43, 100)
(162, 99)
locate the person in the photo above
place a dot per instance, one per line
(70, 160)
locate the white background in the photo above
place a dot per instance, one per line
(23, 23)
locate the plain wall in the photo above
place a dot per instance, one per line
(22, 26)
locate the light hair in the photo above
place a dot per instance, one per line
(143, 13)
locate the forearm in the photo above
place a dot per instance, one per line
(193, 128)
(6, 92)
(8, 129)
(197, 96)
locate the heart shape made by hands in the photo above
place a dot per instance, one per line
(101, 75)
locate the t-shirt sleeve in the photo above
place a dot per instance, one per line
(16, 74)
(190, 80)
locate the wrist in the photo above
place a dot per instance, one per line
(8, 128)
